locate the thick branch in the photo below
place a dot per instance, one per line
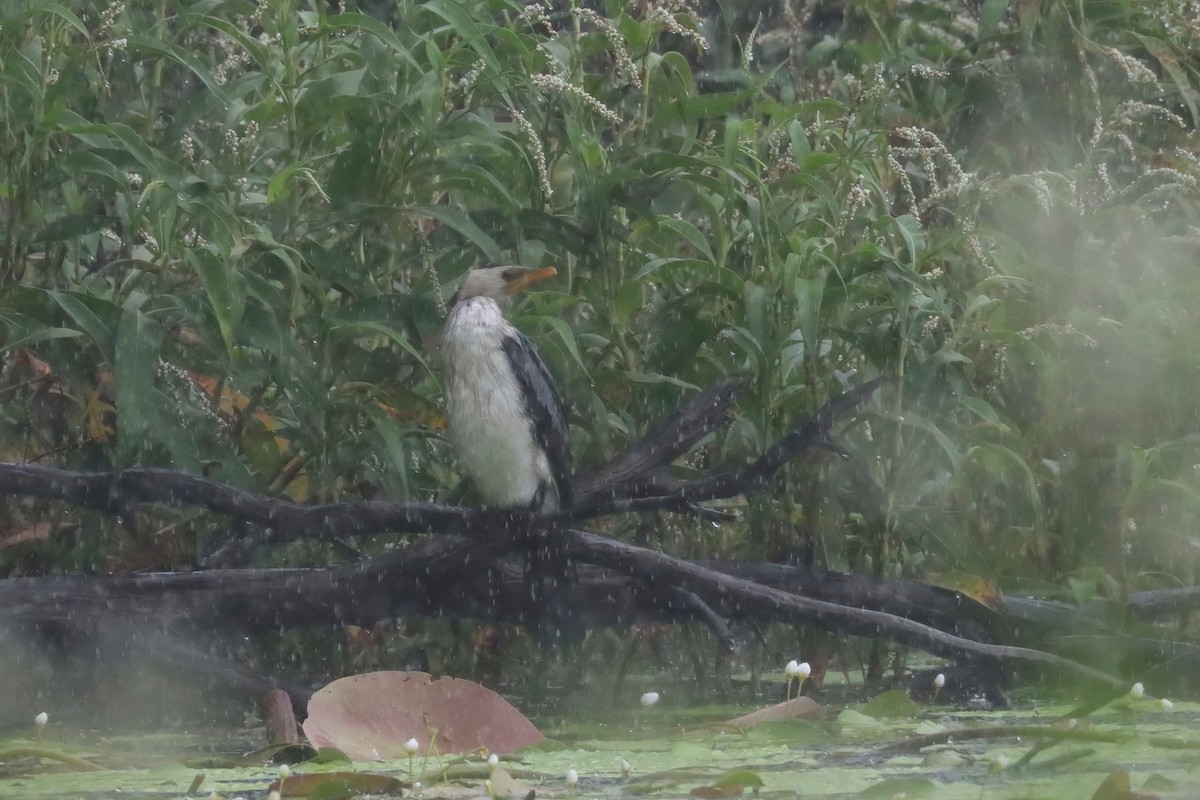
(1157, 603)
(455, 576)
(750, 598)
(678, 495)
(421, 573)
(113, 492)
(634, 473)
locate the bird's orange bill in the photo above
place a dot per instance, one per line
(529, 278)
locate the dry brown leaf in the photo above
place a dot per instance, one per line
(796, 708)
(33, 532)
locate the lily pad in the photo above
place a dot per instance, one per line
(895, 704)
(330, 785)
(899, 787)
(370, 717)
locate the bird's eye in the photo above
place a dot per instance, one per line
(510, 275)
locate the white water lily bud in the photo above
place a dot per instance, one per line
(41, 719)
(803, 670)
(1165, 704)
(572, 778)
(650, 698)
(1137, 690)
(285, 772)
(625, 768)
(792, 669)
(939, 681)
(493, 761)
(412, 746)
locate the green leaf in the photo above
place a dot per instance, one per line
(799, 140)
(689, 232)
(468, 29)
(654, 377)
(141, 46)
(393, 447)
(1166, 56)
(262, 54)
(42, 335)
(909, 228)
(629, 300)
(225, 289)
(747, 779)
(71, 226)
(900, 787)
(361, 22)
(991, 14)
(83, 316)
(139, 340)
(750, 346)
(566, 335)
(465, 226)
(952, 452)
(364, 328)
(65, 14)
(894, 704)
(809, 293)
(982, 409)
(157, 164)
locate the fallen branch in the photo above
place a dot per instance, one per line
(750, 598)
(455, 575)
(115, 492)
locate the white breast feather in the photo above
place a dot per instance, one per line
(488, 426)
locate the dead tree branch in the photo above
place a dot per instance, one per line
(762, 601)
(444, 574)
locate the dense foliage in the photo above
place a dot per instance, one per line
(229, 231)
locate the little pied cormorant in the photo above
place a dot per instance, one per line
(506, 419)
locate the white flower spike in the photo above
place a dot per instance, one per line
(285, 772)
(625, 768)
(650, 698)
(412, 746)
(1137, 690)
(939, 681)
(493, 761)
(1165, 704)
(41, 719)
(792, 669)
(572, 779)
(803, 671)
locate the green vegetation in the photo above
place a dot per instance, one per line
(229, 230)
(968, 757)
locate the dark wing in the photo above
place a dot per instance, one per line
(545, 407)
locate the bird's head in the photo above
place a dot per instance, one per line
(500, 281)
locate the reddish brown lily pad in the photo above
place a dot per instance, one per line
(369, 717)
